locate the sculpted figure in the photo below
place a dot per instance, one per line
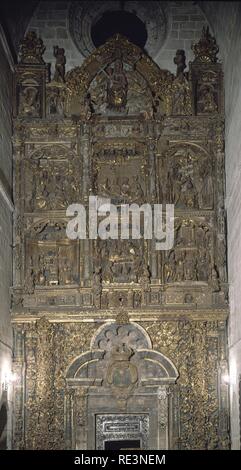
(116, 87)
(202, 266)
(179, 272)
(181, 103)
(188, 193)
(29, 105)
(170, 267)
(180, 61)
(190, 271)
(59, 74)
(206, 102)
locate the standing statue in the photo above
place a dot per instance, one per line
(59, 74)
(117, 87)
(190, 271)
(180, 61)
(170, 267)
(181, 100)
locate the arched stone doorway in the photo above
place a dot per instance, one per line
(120, 393)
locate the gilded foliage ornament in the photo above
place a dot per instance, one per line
(206, 49)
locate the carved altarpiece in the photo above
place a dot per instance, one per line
(112, 335)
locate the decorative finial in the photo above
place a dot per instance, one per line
(206, 49)
(31, 49)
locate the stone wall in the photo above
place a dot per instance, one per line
(225, 20)
(185, 21)
(5, 232)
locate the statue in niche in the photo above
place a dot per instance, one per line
(139, 194)
(124, 186)
(42, 271)
(55, 102)
(208, 237)
(41, 191)
(188, 298)
(88, 107)
(206, 102)
(117, 87)
(170, 267)
(137, 299)
(200, 237)
(59, 74)
(190, 271)
(65, 273)
(188, 194)
(70, 189)
(202, 265)
(175, 185)
(179, 266)
(205, 186)
(29, 102)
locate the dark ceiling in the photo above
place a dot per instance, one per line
(14, 17)
(16, 14)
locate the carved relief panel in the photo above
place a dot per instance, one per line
(51, 258)
(120, 171)
(186, 176)
(191, 258)
(52, 178)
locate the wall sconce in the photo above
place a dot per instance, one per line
(8, 378)
(225, 378)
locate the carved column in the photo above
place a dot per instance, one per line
(223, 389)
(19, 388)
(163, 417)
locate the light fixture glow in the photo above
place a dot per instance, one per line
(226, 379)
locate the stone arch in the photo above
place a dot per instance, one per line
(82, 17)
(120, 380)
(102, 330)
(114, 343)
